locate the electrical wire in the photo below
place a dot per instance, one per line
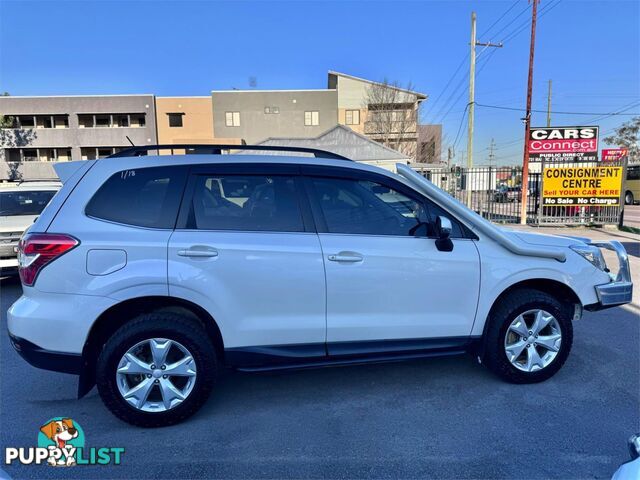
(556, 112)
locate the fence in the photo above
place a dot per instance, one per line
(496, 194)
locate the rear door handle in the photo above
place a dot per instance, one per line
(346, 257)
(198, 251)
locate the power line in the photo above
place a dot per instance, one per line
(455, 142)
(500, 18)
(555, 112)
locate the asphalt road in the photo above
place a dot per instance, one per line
(632, 216)
(442, 418)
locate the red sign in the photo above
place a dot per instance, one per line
(614, 154)
(563, 143)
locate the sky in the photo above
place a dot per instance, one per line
(589, 49)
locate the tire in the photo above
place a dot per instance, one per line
(628, 198)
(527, 302)
(135, 336)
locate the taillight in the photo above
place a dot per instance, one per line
(36, 250)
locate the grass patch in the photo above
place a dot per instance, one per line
(624, 228)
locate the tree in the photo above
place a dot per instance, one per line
(627, 136)
(12, 137)
(392, 116)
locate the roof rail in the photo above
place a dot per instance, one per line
(220, 150)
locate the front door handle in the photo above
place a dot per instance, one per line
(346, 257)
(198, 251)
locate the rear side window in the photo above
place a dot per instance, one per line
(24, 203)
(144, 197)
(245, 203)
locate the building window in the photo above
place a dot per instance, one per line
(111, 120)
(175, 119)
(27, 121)
(312, 119)
(269, 110)
(232, 119)
(352, 117)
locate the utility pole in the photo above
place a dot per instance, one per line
(472, 99)
(549, 106)
(491, 154)
(527, 118)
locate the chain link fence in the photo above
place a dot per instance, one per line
(496, 194)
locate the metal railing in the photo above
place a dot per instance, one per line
(496, 194)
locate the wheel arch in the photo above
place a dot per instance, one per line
(561, 291)
(121, 313)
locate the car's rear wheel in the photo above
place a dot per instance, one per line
(628, 198)
(529, 336)
(156, 370)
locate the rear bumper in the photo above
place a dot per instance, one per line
(620, 290)
(46, 359)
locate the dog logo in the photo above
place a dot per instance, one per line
(62, 437)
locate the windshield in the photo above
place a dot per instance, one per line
(24, 203)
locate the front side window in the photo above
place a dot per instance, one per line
(144, 197)
(245, 203)
(364, 207)
(368, 208)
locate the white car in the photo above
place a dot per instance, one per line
(20, 204)
(148, 274)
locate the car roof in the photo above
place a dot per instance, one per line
(122, 163)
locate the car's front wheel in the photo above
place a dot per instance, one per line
(529, 336)
(156, 370)
(628, 198)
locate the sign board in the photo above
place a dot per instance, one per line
(563, 144)
(614, 154)
(581, 186)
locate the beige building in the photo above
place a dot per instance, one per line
(184, 120)
(383, 112)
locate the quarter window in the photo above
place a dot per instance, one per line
(145, 197)
(246, 203)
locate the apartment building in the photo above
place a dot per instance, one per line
(254, 115)
(383, 112)
(74, 127)
(184, 120)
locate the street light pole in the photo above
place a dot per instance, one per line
(527, 118)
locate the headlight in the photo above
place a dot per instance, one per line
(592, 254)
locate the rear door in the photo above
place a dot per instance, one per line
(386, 278)
(246, 250)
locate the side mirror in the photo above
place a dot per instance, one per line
(443, 227)
(443, 230)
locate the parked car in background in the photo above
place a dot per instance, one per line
(20, 205)
(505, 194)
(176, 266)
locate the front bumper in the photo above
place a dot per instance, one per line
(46, 359)
(620, 290)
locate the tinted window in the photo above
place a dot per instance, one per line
(245, 202)
(146, 197)
(24, 203)
(365, 207)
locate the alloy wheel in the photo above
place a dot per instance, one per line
(533, 340)
(156, 375)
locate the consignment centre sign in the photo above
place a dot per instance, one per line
(582, 186)
(563, 144)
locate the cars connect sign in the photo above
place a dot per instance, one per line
(581, 186)
(563, 144)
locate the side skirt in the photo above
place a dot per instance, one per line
(318, 355)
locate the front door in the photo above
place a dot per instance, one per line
(386, 279)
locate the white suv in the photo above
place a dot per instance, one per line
(148, 274)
